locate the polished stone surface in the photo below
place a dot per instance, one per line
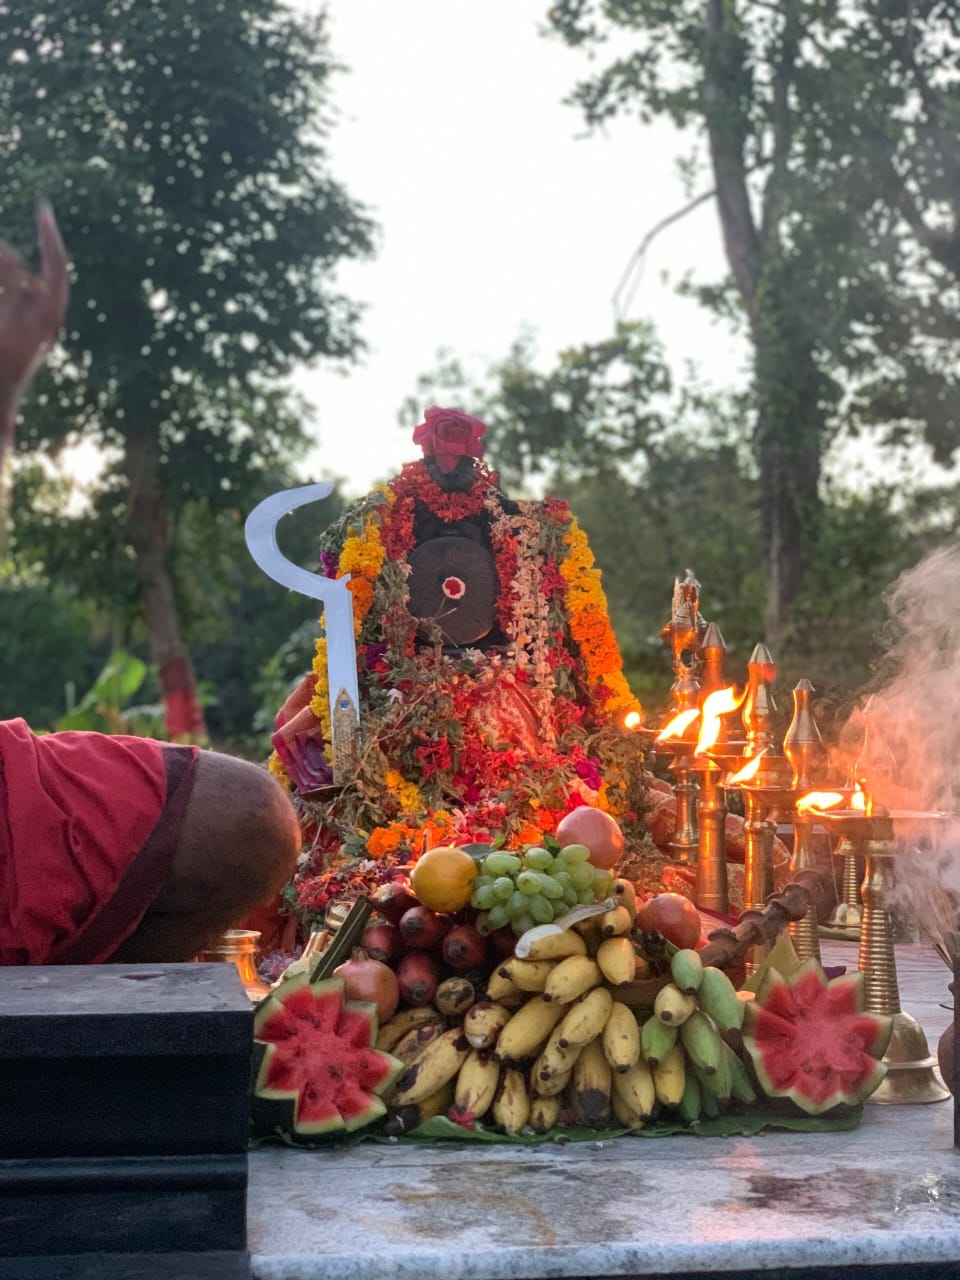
(886, 1193)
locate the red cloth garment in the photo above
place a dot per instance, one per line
(88, 829)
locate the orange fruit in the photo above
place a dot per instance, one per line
(443, 878)
(597, 830)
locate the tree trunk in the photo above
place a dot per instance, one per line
(147, 528)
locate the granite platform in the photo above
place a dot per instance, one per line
(880, 1200)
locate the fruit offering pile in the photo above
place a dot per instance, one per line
(570, 1013)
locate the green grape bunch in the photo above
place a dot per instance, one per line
(535, 886)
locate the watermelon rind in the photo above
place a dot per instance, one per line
(319, 1071)
(810, 1040)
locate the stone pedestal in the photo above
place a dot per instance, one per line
(123, 1111)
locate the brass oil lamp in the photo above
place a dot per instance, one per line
(803, 748)
(912, 1075)
(684, 633)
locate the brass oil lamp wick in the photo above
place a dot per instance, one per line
(803, 748)
(684, 632)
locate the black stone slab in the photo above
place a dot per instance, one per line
(129, 1266)
(116, 1060)
(161, 1204)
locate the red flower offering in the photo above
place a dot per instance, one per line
(454, 588)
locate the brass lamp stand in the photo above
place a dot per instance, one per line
(912, 1074)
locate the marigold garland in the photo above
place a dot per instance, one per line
(484, 746)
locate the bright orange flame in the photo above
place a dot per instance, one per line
(748, 772)
(676, 727)
(819, 800)
(861, 800)
(717, 704)
(632, 720)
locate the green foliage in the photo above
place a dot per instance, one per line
(106, 707)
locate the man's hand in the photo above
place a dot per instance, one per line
(31, 312)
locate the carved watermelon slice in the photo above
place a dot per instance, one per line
(810, 1040)
(319, 1071)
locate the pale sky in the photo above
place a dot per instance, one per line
(497, 213)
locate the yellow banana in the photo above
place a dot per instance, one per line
(454, 996)
(621, 1037)
(544, 1113)
(528, 1029)
(625, 1113)
(477, 1082)
(617, 960)
(615, 922)
(626, 896)
(511, 1106)
(502, 990)
(550, 1086)
(636, 1088)
(410, 1116)
(718, 998)
(669, 1077)
(589, 930)
(553, 1060)
(439, 1062)
(571, 978)
(556, 946)
(526, 975)
(656, 1040)
(416, 1040)
(702, 1041)
(673, 1006)
(686, 969)
(483, 1022)
(585, 1018)
(592, 1082)
(393, 1031)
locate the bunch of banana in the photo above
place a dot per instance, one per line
(693, 1068)
(395, 1028)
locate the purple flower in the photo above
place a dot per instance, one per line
(329, 562)
(589, 771)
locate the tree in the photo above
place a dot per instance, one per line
(813, 233)
(182, 147)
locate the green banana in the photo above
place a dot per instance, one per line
(686, 969)
(656, 1040)
(741, 1086)
(691, 1102)
(717, 996)
(702, 1041)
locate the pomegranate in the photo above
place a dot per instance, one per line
(464, 948)
(595, 829)
(382, 942)
(371, 980)
(422, 928)
(672, 915)
(417, 976)
(393, 899)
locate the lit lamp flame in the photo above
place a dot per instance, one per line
(748, 772)
(676, 727)
(632, 720)
(717, 704)
(819, 800)
(861, 799)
